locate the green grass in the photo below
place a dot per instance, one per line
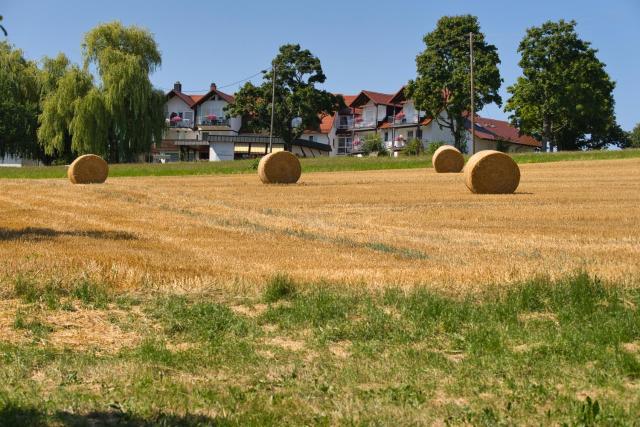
(542, 352)
(323, 164)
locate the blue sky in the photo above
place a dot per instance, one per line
(362, 44)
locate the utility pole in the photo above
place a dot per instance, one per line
(473, 118)
(273, 105)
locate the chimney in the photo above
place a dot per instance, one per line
(177, 87)
(213, 86)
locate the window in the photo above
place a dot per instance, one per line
(410, 134)
(310, 137)
(386, 136)
(344, 145)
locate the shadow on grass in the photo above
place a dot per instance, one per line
(38, 233)
(13, 415)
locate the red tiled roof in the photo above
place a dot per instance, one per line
(186, 98)
(348, 99)
(398, 97)
(196, 98)
(202, 98)
(327, 123)
(377, 98)
(499, 130)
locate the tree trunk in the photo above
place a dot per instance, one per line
(113, 148)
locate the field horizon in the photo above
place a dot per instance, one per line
(319, 164)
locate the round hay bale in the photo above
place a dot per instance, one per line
(88, 169)
(491, 172)
(279, 168)
(447, 159)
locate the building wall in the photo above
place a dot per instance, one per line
(221, 151)
(433, 133)
(217, 106)
(177, 105)
(389, 134)
(369, 112)
(322, 138)
(212, 106)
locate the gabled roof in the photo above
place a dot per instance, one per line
(500, 130)
(348, 99)
(202, 98)
(186, 98)
(367, 95)
(399, 97)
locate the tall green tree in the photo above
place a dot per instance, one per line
(53, 69)
(60, 108)
(565, 96)
(442, 85)
(19, 103)
(634, 137)
(119, 118)
(296, 96)
(125, 106)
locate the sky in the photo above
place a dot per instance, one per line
(361, 44)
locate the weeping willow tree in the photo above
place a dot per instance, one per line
(129, 112)
(120, 117)
(59, 109)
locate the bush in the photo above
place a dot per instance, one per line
(413, 148)
(433, 146)
(373, 143)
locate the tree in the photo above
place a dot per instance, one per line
(60, 107)
(565, 96)
(118, 119)
(634, 137)
(442, 85)
(124, 111)
(296, 96)
(53, 69)
(19, 103)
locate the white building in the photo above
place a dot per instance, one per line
(199, 129)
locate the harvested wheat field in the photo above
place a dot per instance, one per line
(373, 228)
(393, 297)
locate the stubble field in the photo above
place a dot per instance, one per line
(371, 297)
(374, 228)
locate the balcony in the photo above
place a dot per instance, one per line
(364, 124)
(345, 123)
(213, 121)
(401, 119)
(178, 122)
